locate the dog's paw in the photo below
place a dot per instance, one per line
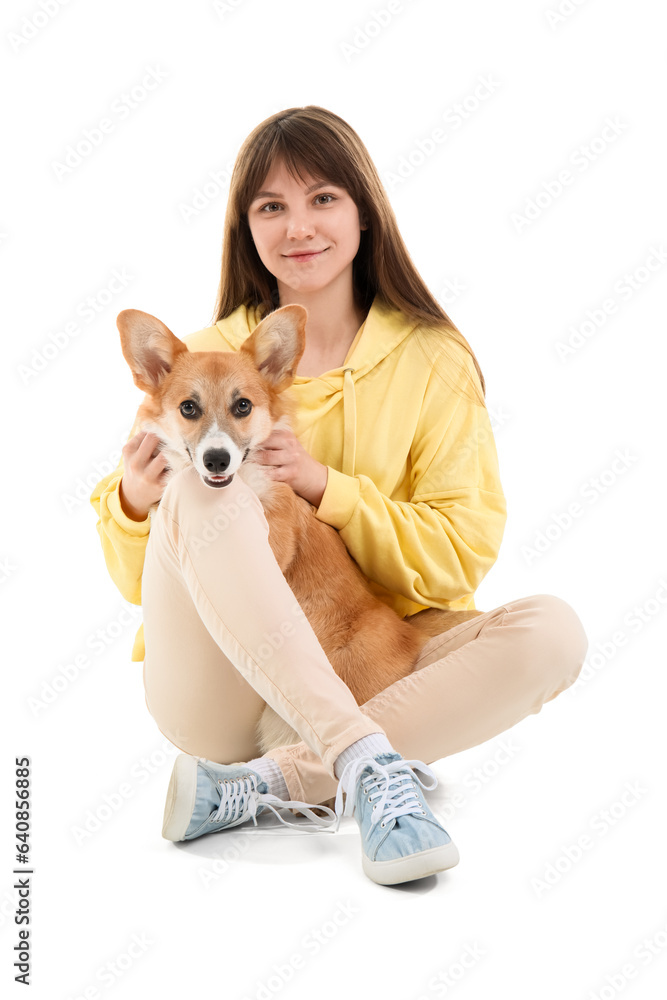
(273, 731)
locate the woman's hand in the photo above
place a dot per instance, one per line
(283, 458)
(144, 479)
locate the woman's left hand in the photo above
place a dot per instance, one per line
(283, 457)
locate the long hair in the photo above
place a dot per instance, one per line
(316, 141)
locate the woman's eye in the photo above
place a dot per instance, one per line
(273, 204)
(188, 408)
(243, 407)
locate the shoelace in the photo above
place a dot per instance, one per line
(392, 784)
(240, 799)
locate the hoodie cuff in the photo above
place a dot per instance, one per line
(339, 499)
(120, 517)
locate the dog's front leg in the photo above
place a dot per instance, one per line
(285, 512)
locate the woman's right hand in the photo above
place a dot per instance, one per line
(144, 479)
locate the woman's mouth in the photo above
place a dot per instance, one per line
(302, 257)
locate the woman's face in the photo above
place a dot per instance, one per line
(289, 217)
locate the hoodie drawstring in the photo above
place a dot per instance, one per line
(349, 422)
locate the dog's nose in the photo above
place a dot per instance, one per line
(216, 461)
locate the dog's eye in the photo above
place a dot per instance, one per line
(189, 409)
(243, 407)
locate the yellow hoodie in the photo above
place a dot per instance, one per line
(413, 484)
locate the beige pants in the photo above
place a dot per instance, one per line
(224, 634)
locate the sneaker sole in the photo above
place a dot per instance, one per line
(436, 859)
(181, 795)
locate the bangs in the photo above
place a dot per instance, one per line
(303, 151)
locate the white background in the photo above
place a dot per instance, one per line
(587, 430)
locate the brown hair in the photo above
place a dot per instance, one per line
(318, 142)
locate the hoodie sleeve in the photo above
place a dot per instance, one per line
(435, 548)
(123, 540)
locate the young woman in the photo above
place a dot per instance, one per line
(393, 447)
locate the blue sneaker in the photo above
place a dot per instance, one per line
(401, 839)
(205, 797)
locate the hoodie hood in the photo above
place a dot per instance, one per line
(383, 330)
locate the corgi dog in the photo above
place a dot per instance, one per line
(211, 409)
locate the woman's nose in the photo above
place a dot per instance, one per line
(299, 225)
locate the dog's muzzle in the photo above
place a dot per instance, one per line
(216, 462)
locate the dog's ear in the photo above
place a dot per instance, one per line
(149, 347)
(277, 343)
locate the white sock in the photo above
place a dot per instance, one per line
(367, 746)
(269, 769)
